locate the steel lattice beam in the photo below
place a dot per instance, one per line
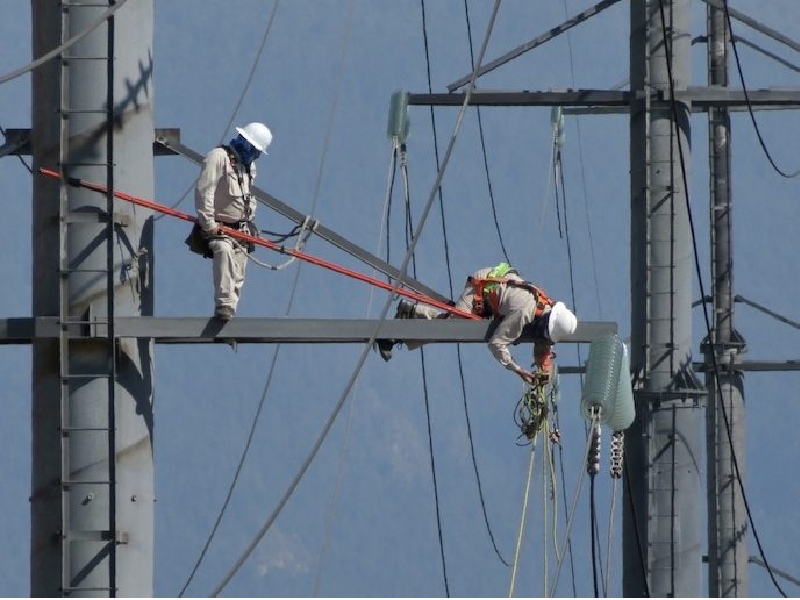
(188, 330)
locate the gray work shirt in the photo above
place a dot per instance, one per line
(219, 196)
(516, 309)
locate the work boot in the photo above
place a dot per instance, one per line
(405, 309)
(385, 348)
(223, 313)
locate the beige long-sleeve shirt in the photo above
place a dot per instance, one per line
(218, 194)
(516, 309)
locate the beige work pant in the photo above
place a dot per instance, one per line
(230, 260)
(423, 311)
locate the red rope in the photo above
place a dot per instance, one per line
(74, 181)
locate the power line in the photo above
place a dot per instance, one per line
(761, 141)
(68, 44)
(409, 232)
(483, 142)
(346, 443)
(450, 283)
(593, 524)
(639, 547)
(583, 175)
(291, 295)
(718, 387)
(571, 517)
(247, 83)
(367, 347)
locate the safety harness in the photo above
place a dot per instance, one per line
(486, 299)
(240, 169)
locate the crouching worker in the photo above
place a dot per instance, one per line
(222, 198)
(500, 293)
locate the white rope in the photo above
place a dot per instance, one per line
(572, 512)
(522, 517)
(68, 44)
(367, 346)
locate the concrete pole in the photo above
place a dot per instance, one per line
(73, 549)
(727, 524)
(663, 446)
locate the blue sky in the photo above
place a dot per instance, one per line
(384, 539)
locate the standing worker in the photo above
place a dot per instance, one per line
(500, 293)
(222, 197)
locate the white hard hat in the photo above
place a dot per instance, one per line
(562, 322)
(257, 134)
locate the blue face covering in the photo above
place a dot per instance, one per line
(247, 152)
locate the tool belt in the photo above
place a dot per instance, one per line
(197, 239)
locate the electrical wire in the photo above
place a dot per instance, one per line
(246, 87)
(559, 174)
(366, 349)
(583, 174)
(288, 311)
(593, 518)
(639, 547)
(68, 44)
(409, 232)
(483, 142)
(571, 517)
(450, 284)
(761, 141)
(718, 395)
(433, 472)
(346, 442)
(606, 579)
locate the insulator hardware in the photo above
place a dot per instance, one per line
(593, 459)
(617, 447)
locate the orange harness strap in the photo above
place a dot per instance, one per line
(478, 306)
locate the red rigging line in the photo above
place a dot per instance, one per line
(270, 245)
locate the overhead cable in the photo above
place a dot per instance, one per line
(326, 538)
(246, 87)
(483, 140)
(571, 517)
(287, 313)
(698, 270)
(367, 347)
(68, 44)
(409, 231)
(636, 535)
(582, 163)
(750, 111)
(450, 283)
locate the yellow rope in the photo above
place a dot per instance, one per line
(522, 519)
(546, 448)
